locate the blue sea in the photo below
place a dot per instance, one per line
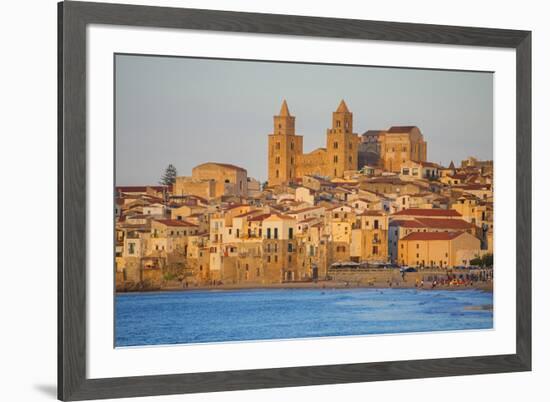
(162, 318)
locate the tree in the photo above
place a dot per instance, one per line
(169, 176)
(476, 262)
(483, 262)
(487, 260)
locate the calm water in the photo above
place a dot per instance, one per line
(216, 316)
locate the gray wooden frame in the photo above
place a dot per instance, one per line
(73, 17)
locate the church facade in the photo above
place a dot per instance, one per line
(344, 150)
(287, 161)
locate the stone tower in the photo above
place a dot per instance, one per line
(342, 143)
(284, 147)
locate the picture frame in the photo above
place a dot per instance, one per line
(73, 20)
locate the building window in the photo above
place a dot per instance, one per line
(131, 248)
(278, 145)
(292, 145)
(375, 250)
(349, 159)
(275, 233)
(277, 160)
(290, 233)
(335, 159)
(275, 258)
(268, 258)
(277, 173)
(335, 145)
(290, 247)
(337, 123)
(269, 233)
(376, 223)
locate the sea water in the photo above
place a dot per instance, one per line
(199, 316)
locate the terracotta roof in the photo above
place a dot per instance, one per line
(401, 129)
(457, 224)
(386, 179)
(407, 224)
(427, 164)
(233, 206)
(299, 211)
(174, 222)
(259, 217)
(282, 216)
(474, 187)
(432, 236)
(254, 211)
(371, 213)
(427, 212)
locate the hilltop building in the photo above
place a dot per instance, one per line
(391, 149)
(212, 180)
(287, 161)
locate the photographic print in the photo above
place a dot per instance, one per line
(259, 200)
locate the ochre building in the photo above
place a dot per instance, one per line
(287, 161)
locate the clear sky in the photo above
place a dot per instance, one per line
(189, 111)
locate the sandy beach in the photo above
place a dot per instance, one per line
(331, 284)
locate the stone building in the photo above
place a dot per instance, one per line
(389, 149)
(287, 161)
(212, 180)
(438, 249)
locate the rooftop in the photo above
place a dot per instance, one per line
(427, 212)
(174, 223)
(432, 236)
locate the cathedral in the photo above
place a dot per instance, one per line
(345, 151)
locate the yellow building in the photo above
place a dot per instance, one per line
(438, 249)
(401, 144)
(286, 160)
(213, 180)
(369, 238)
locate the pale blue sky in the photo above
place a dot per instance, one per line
(189, 111)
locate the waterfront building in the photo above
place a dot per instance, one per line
(438, 249)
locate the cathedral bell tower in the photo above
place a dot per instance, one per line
(284, 147)
(342, 143)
